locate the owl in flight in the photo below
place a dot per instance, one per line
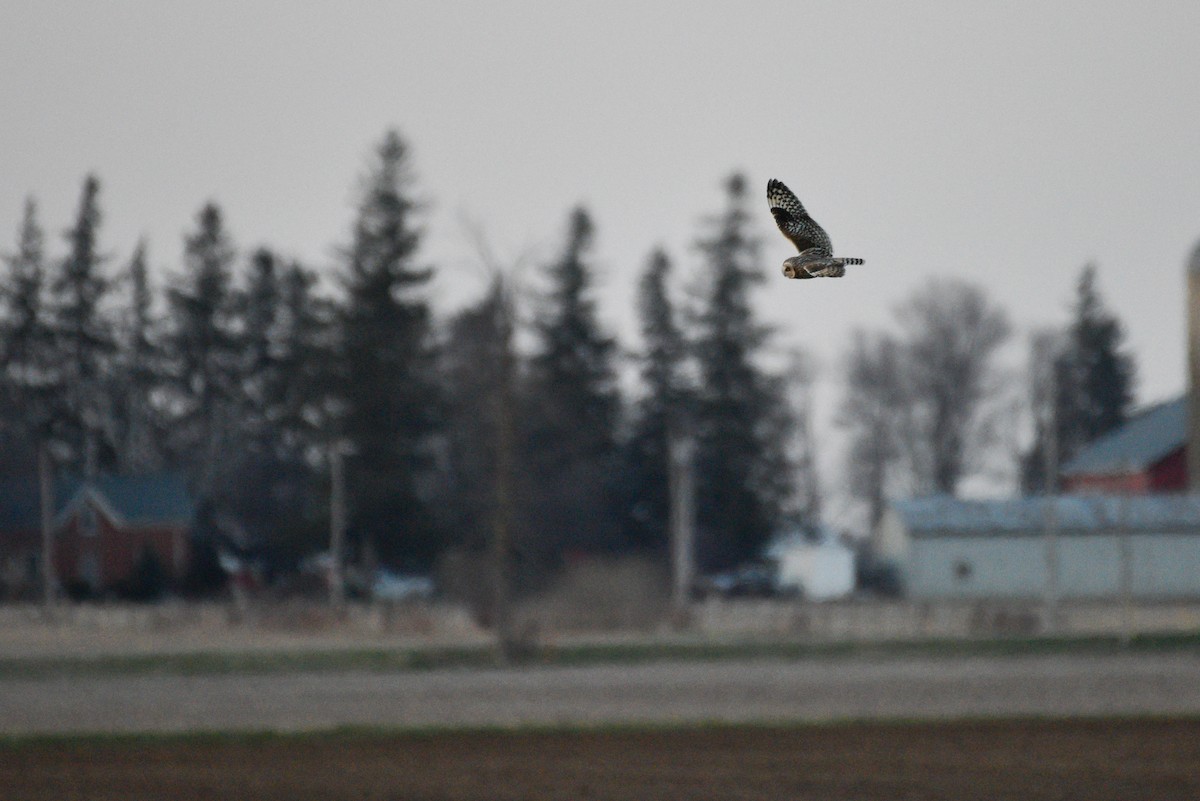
(816, 259)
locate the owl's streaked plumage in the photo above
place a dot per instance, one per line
(816, 259)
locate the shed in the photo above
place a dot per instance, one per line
(945, 547)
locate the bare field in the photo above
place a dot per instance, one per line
(1039, 726)
(731, 691)
(1008, 760)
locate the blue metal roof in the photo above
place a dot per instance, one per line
(159, 498)
(1142, 441)
(943, 514)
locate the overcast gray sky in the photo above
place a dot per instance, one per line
(1003, 143)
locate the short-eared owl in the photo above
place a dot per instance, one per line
(816, 259)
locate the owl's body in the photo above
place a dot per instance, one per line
(816, 259)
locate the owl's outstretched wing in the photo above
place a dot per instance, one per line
(794, 221)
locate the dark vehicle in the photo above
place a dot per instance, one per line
(755, 580)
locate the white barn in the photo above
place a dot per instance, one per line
(1097, 546)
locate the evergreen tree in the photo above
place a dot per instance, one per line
(25, 342)
(203, 349)
(742, 474)
(22, 315)
(1087, 376)
(84, 339)
(391, 395)
(661, 412)
(137, 375)
(255, 463)
(574, 406)
(296, 386)
(259, 385)
(306, 363)
(1103, 373)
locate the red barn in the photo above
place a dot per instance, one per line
(1146, 455)
(102, 528)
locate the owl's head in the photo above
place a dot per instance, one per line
(792, 268)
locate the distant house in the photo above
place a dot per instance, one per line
(1146, 455)
(101, 529)
(944, 547)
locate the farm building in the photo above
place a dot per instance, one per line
(1147, 454)
(1129, 519)
(944, 547)
(101, 527)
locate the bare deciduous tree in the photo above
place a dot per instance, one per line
(951, 333)
(1050, 385)
(873, 413)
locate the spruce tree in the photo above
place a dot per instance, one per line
(1103, 372)
(660, 413)
(259, 384)
(297, 389)
(307, 359)
(22, 314)
(260, 475)
(391, 395)
(1088, 377)
(25, 343)
(203, 350)
(742, 474)
(84, 338)
(138, 374)
(141, 322)
(573, 406)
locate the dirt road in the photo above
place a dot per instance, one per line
(805, 690)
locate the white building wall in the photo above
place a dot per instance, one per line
(1015, 566)
(890, 538)
(821, 572)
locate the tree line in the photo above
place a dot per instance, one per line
(926, 407)
(246, 369)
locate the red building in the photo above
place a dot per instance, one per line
(102, 528)
(1146, 455)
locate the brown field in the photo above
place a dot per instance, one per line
(1021, 760)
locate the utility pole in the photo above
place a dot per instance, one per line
(46, 486)
(337, 526)
(1050, 509)
(681, 489)
(1044, 356)
(510, 646)
(1193, 369)
(1126, 580)
(502, 519)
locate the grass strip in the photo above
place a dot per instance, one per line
(367, 733)
(573, 655)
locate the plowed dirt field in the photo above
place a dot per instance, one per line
(1008, 760)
